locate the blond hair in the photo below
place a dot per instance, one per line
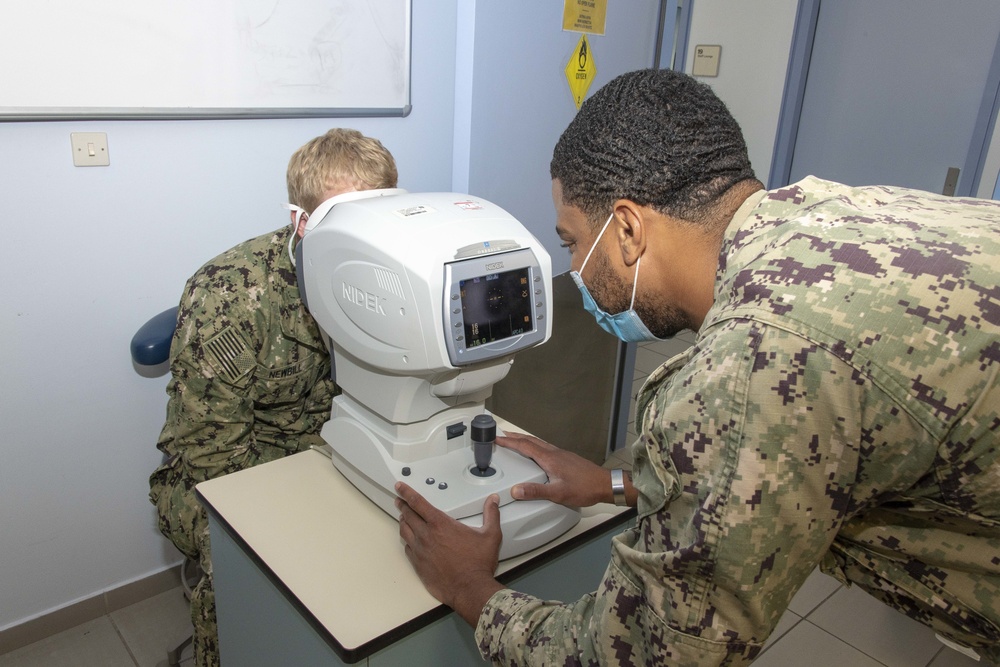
(340, 160)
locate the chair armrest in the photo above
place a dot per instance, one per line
(151, 343)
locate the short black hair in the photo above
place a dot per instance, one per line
(656, 137)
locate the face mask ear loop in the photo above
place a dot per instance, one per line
(299, 212)
(596, 241)
(291, 240)
(635, 282)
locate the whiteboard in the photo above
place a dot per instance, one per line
(62, 59)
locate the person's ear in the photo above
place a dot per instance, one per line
(630, 227)
(300, 229)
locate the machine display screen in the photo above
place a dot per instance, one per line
(496, 306)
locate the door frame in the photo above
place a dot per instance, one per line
(982, 131)
(799, 57)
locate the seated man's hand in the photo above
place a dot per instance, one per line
(455, 562)
(573, 480)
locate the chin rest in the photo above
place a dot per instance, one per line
(151, 343)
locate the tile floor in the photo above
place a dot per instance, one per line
(826, 625)
(139, 635)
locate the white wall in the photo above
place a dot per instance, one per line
(755, 38)
(91, 253)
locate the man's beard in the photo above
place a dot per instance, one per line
(613, 295)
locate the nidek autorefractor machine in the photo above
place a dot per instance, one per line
(425, 299)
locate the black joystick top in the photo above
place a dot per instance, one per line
(483, 434)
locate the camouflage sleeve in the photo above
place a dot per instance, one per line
(745, 466)
(519, 629)
(210, 412)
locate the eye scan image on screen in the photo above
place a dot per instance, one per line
(426, 298)
(496, 306)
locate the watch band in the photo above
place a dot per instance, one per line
(618, 487)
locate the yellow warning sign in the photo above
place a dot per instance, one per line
(580, 71)
(585, 16)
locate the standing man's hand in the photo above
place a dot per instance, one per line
(455, 562)
(573, 480)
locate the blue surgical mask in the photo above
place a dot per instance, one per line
(627, 325)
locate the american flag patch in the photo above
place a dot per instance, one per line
(229, 354)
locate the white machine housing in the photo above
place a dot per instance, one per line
(425, 298)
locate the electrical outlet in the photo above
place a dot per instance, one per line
(90, 149)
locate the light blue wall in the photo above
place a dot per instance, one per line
(520, 100)
(90, 254)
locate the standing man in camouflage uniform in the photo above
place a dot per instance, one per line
(840, 407)
(251, 371)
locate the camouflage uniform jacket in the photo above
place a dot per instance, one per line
(251, 372)
(840, 407)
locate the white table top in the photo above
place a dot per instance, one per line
(327, 543)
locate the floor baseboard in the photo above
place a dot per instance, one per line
(88, 609)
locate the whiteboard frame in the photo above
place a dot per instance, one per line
(22, 114)
(31, 114)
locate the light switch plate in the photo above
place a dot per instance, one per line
(706, 60)
(90, 149)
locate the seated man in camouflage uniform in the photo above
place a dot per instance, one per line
(840, 407)
(250, 370)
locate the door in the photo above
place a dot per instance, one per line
(894, 92)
